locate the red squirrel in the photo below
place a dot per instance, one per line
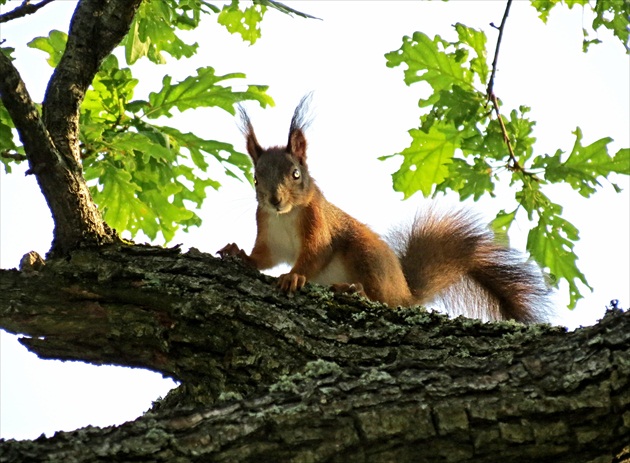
(449, 258)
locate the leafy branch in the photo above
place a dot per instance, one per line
(490, 89)
(608, 14)
(144, 176)
(459, 147)
(7, 154)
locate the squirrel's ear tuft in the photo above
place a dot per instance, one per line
(253, 147)
(297, 145)
(299, 123)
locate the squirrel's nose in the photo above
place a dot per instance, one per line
(275, 201)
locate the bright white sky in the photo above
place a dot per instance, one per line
(363, 110)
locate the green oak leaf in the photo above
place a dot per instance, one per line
(202, 90)
(459, 105)
(520, 128)
(477, 41)
(426, 161)
(6, 130)
(8, 52)
(468, 180)
(152, 32)
(551, 243)
(244, 22)
(199, 148)
(427, 60)
(614, 16)
(585, 165)
(117, 198)
(54, 45)
(610, 14)
(502, 222)
(7, 144)
(110, 91)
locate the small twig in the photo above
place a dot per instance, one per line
(24, 9)
(506, 138)
(514, 164)
(490, 89)
(13, 155)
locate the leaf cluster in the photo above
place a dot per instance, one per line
(460, 145)
(609, 14)
(146, 176)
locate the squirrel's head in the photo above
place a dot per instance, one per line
(280, 173)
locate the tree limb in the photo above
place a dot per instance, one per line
(77, 220)
(25, 116)
(317, 376)
(24, 9)
(51, 141)
(97, 27)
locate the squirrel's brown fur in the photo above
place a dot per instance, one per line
(446, 258)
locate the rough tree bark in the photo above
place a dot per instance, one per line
(314, 377)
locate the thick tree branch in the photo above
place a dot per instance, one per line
(77, 221)
(25, 116)
(315, 377)
(24, 9)
(51, 142)
(97, 27)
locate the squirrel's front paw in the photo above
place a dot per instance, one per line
(291, 282)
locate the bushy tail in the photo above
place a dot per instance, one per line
(453, 260)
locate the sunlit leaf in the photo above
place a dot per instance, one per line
(202, 90)
(477, 41)
(245, 22)
(614, 16)
(551, 242)
(468, 180)
(426, 161)
(610, 14)
(54, 45)
(9, 151)
(502, 222)
(427, 60)
(459, 105)
(200, 148)
(585, 165)
(153, 30)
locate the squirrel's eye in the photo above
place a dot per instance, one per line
(296, 174)
(255, 180)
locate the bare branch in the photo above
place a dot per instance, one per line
(506, 138)
(8, 154)
(490, 89)
(513, 164)
(24, 9)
